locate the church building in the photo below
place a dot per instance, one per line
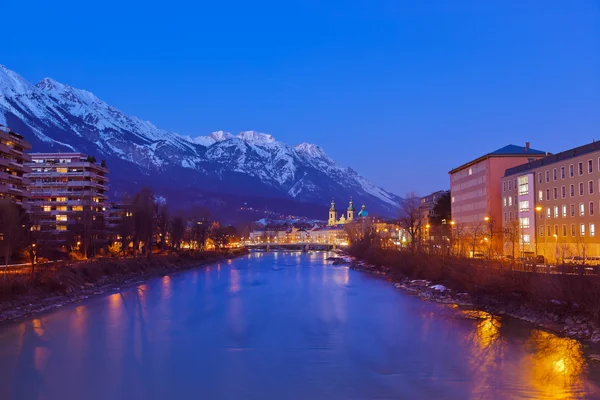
(349, 217)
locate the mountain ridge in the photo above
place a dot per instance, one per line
(59, 117)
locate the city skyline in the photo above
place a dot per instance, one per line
(367, 84)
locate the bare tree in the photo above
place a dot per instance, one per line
(143, 220)
(163, 221)
(512, 235)
(177, 231)
(410, 218)
(13, 228)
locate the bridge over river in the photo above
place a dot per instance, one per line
(302, 246)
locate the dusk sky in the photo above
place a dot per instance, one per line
(401, 91)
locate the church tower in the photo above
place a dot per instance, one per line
(350, 211)
(332, 214)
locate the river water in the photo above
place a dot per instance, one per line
(283, 326)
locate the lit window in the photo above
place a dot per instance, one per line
(470, 171)
(524, 205)
(581, 210)
(592, 229)
(524, 222)
(61, 199)
(504, 201)
(582, 229)
(77, 208)
(61, 170)
(61, 208)
(47, 208)
(540, 195)
(564, 211)
(61, 218)
(61, 227)
(526, 238)
(555, 211)
(523, 185)
(548, 212)
(510, 201)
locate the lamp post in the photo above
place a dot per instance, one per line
(452, 223)
(538, 209)
(556, 247)
(489, 221)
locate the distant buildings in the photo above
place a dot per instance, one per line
(68, 193)
(475, 185)
(13, 159)
(550, 205)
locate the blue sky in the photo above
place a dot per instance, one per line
(402, 91)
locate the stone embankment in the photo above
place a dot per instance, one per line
(556, 318)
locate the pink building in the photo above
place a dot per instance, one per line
(475, 187)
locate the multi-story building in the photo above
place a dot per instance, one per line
(13, 158)
(67, 198)
(432, 231)
(552, 203)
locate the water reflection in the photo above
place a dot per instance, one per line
(298, 331)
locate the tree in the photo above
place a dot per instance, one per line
(163, 221)
(199, 233)
(218, 236)
(14, 227)
(410, 218)
(177, 231)
(442, 210)
(143, 220)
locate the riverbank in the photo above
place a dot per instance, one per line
(570, 320)
(57, 286)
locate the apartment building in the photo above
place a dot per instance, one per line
(553, 203)
(432, 231)
(475, 186)
(13, 159)
(68, 193)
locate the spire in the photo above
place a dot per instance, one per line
(332, 208)
(351, 205)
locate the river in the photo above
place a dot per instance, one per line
(283, 326)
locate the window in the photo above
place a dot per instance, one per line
(510, 216)
(571, 171)
(526, 238)
(581, 210)
(47, 208)
(582, 229)
(542, 230)
(563, 192)
(504, 201)
(510, 201)
(547, 194)
(504, 217)
(590, 166)
(572, 210)
(555, 230)
(580, 168)
(77, 208)
(548, 212)
(592, 230)
(504, 186)
(591, 187)
(548, 230)
(562, 172)
(547, 176)
(540, 174)
(453, 199)
(524, 205)
(540, 195)
(61, 217)
(61, 199)
(524, 222)
(470, 171)
(61, 208)
(555, 211)
(510, 185)
(554, 176)
(572, 190)
(591, 209)
(61, 170)
(555, 190)
(523, 185)
(581, 188)
(564, 211)
(61, 227)
(564, 230)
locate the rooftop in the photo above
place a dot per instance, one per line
(554, 158)
(511, 150)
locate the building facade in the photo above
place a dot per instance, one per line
(475, 186)
(13, 166)
(68, 192)
(550, 205)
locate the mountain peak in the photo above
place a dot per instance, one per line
(12, 83)
(49, 84)
(254, 137)
(310, 149)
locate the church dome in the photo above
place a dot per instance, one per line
(363, 212)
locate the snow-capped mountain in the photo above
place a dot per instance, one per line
(58, 117)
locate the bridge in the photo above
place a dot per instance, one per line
(291, 246)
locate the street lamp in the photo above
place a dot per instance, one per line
(538, 209)
(489, 221)
(555, 236)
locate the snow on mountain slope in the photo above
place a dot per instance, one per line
(61, 117)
